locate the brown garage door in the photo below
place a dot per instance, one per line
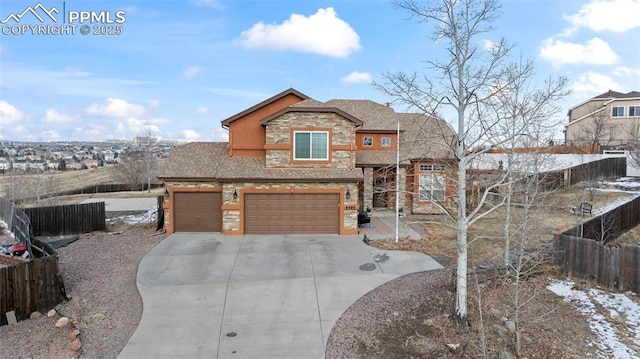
(197, 211)
(274, 213)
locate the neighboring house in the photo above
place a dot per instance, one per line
(5, 165)
(609, 119)
(37, 165)
(297, 165)
(53, 165)
(91, 163)
(73, 165)
(20, 165)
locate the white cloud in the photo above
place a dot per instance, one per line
(626, 71)
(202, 110)
(192, 71)
(53, 116)
(189, 135)
(356, 77)
(9, 113)
(93, 131)
(115, 108)
(221, 134)
(592, 83)
(21, 130)
(158, 121)
(322, 33)
(595, 51)
(605, 15)
(50, 135)
(488, 45)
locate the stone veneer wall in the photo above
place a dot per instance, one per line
(368, 188)
(278, 132)
(402, 187)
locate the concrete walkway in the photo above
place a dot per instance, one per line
(211, 296)
(141, 204)
(383, 226)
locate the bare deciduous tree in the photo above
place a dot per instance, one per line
(145, 147)
(469, 81)
(132, 169)
(633, 144)
(597, 131)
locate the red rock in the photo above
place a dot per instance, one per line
(74, 334)
(76, 344)
(35, 315)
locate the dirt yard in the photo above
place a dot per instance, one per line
(411, 315)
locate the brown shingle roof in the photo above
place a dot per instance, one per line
(209, 160)
(615, 94)
(374, 116)
(247, 168)
(193, 160)
(370, 158)
(425, 137)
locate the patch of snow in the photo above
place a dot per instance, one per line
(617, 203)
(587, 303)
(146, 217)
(5, 232)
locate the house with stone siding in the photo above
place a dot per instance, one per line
(297, 165)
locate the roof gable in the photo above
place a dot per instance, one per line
(323, 109)
(614, 94)
(266, 102)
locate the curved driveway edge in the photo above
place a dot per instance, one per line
(207, 295)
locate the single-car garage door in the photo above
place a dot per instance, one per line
(197, 211)
(275, 213)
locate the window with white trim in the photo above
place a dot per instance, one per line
(634, 111)
(367, 141)
(617, 111)
(386, 141)
(311, 145)
(431, 167)
(432, 187)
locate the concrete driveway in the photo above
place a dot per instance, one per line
(214, 296)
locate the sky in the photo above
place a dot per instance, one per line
(176, 68)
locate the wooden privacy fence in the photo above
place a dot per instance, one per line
(32, 286)
(17, 222)
(583, 251)
(596, 170)
(613, 267)
(611, 225)
(69, 219)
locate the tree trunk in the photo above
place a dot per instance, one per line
(460, 317)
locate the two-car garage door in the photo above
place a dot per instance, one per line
(264, 213)
(280, 213)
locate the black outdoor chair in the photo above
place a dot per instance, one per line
(364, 220)
(585, 208)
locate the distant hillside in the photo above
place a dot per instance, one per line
(23, 186)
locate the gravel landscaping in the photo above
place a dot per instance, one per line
(99, 272)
